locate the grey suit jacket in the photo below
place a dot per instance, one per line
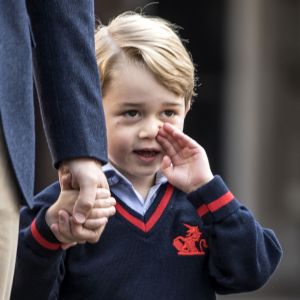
(52, 41)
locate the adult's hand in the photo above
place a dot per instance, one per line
(86, 176)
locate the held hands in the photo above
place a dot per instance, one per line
(66, 230)
(86, 176)
(185, 163)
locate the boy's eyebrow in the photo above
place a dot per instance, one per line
(139, 104)
(131, 104)
(172, 103)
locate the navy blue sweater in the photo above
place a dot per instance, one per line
(185, 247)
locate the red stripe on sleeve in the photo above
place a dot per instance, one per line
(202, 210)
(43, 242)
(220, 202)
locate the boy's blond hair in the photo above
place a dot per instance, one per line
(150, 41)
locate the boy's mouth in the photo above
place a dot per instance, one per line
(147, 153)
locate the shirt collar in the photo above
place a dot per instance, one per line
(114, 176)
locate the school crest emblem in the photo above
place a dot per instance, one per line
(192, 243)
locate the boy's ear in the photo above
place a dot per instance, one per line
(187, 107)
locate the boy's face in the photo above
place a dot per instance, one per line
(135, 106)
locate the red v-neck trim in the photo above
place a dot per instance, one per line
(146, 227)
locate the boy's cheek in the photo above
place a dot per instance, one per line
(178, 123)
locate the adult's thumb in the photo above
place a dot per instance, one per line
(84, 203)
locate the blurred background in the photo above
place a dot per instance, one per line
(246, 114)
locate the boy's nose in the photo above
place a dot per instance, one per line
(150, 129)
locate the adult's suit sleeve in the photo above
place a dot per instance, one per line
(67, 79)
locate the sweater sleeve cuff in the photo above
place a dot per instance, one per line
(214, 201)
(41, 236)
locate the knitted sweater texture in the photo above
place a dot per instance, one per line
(187, 246)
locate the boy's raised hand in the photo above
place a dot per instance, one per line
(185, 163)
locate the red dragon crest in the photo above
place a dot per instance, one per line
(192, 243)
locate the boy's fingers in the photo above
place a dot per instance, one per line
(104, 203)
(166, 166)
(171, 137)
(182, 139)
(94, 236)
(86, 235)
(94, 224)
(69, 233)
(167, 146)
(98, 213)
(65, 228)
(175, 136)
(102, 193)
(166, 163)
(185, 141)
(169, 128)
(56, 231)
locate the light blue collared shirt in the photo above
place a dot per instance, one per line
(123, 189)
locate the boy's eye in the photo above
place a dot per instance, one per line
(131, 113)
(169, 113)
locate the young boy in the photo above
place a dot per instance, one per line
(178, 232)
